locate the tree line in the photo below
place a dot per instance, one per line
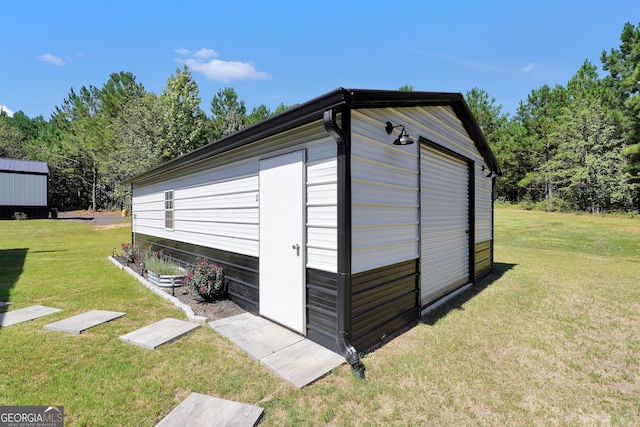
(573, 147)
(99, 137)
(569, 147)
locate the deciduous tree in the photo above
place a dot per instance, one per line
(184, 121)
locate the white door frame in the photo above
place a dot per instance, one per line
(282, 287)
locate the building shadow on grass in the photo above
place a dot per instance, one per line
(11, 267)
(457, 302)
(77, 218)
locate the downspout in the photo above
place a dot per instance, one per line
(133, 218)
(343, 277)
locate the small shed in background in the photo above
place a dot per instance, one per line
(342, 218)
(24, 187)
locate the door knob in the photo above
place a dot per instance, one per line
(296, 247)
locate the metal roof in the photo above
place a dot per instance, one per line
(312, 110)
(23, 166)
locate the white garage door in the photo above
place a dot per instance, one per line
(444, 183)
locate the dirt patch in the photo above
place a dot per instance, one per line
(211, 310)
(110, 226)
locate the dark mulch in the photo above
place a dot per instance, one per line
(211, 310)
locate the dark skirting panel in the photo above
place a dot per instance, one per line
(322, 308)
(484, 259)
(384, 301)
(33, 212)
(240, 270)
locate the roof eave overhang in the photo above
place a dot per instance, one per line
(313, 110)
(298, 116)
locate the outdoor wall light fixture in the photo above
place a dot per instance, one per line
(491, 173)
(403, 138)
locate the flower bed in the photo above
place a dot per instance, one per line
(165, 280)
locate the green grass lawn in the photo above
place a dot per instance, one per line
(551, 339)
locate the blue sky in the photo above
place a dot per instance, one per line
(274, 52)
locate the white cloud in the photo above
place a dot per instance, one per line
(52, 59)
(226, 70)
(205, 53)
(216, 69)
(528, 68)
(6, 110)
(182, 51)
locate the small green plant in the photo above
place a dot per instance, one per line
(206, 280)
(161, 265)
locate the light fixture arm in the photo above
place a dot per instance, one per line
(390, 127)
(403, 138)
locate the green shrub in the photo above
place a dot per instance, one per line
(206, 280)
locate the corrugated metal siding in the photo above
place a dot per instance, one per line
(322, 308)
(322, 215)
(445, 224)
(216, 200)
(215, 208)
(483, 259)
(483, 205)
(384, 301)
(241, 271)
(385, 180)
(20, 189)
(384, 195)
(23, 166)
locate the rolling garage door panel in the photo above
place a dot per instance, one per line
(444, 223)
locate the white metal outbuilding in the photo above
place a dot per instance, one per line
(322, 223)
(24, 188)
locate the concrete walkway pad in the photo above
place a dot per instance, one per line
(237, 325)
(291, 356)
(201, 410)
(303, 362)
(266, 340)
(159, 333)
(24, 314)
(84, 321)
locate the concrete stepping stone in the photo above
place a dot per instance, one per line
(291, 356)
(84, 321)
(159, 333)
(234, 326)
(303, 362)
(202, 410)
(266, 340)
(25, 314)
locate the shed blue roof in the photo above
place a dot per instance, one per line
(24, 166)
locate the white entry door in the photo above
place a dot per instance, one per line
(282, 245)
